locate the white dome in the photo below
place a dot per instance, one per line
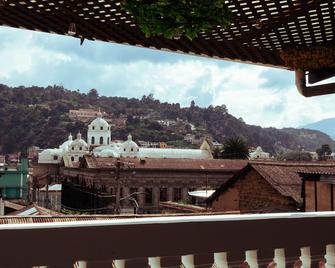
(65, 145)
(129, 147)
(97, 123)
(79, 142)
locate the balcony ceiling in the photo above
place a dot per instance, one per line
(260, 29)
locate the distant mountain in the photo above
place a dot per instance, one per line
(326, 125)
(40, 116)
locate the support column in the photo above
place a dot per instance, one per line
(156, 198)
(306, 257)
(251, 258)
(141, 197)
(220, 259)
(120, 263)
(330, 256)
(125, 202)
(170, 194)
(2, 207)
(279, 258)
(81, 264)
(155, 262)
(188, 261)
(184, 193)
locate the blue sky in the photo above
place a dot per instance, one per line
(261, 96)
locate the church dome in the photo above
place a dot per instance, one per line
(66, 144)
(99, 124)
(129, 147)
(78, 142)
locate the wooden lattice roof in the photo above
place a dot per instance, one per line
(260, 29)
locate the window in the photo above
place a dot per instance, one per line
(107, 140)
(93, 127)
(101, 140)
(124, 149)
(132, 149)
(176, 194)
(55, 157)
(72, 158)
(80, 148)
(163, 194)
(148, 195)
(101, 128)
(92, 140)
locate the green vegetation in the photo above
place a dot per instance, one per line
(172, 19)
(235, 148)
(39, 116)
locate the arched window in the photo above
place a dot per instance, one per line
(72, 158)
(80, 148)
(55, 157)
(101, 128)
(93, 127)
(132, 149)
(92, 140)
(72, 148)
(107, 140)
(101, 140)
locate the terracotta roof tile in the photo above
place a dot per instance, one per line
(167, 163)
(283, 176)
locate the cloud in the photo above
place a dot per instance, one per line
(259, 95)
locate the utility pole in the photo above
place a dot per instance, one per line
(118, 190)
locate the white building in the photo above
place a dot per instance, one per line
(259, 154)
(99, 132)
(99, 141)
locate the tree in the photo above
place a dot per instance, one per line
(235, 148)
(93, 93)
(323, 151)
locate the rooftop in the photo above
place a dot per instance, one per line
(165, 163)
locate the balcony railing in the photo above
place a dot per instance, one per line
(284, 239)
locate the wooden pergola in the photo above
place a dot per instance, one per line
(261, 31)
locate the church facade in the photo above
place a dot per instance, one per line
(99, 144)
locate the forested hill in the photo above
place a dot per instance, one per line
(39, 116)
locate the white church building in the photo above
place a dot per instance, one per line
(99, 144)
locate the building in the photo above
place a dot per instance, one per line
(14, 181)
(318, 190)
(148, 181)
(258, 154)
(266, 187)
(50, 197)
(84, 115)
(99, 142)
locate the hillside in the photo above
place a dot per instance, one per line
(326, 125)
(39, 116)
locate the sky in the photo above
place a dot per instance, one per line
(260, 95)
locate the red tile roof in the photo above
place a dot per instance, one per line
(165, 163)
(283, 176)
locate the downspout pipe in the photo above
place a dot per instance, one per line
(310, 91)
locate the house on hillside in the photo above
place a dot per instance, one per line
(263, 187)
